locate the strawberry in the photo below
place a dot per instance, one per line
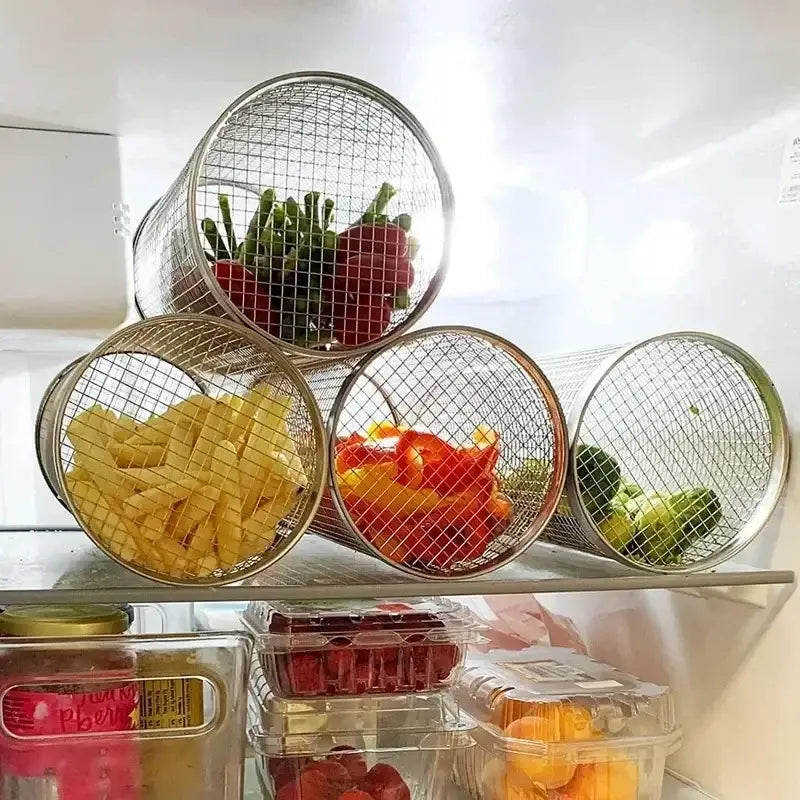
(384, 782)
(339, 665)
(350, 759)
(444, 659)
(305, 674)
(338, 777)
(286, 770)
(311, 785)
(355, 794)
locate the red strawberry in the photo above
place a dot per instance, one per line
(305, 674)
(355, 794)
(311, 785)
(335, 772)
(364, 676)
(444, 658)
(339, 665)
(350, 759)
(384, 782)
(286, 770)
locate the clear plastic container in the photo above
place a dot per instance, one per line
(555, 725)
(395, 747)
(360, 647)
(74, 744)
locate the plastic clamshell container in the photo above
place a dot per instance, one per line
(360, 647)
(390, 747)
(556, 725)
(129, 726)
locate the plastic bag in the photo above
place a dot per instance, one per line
(515, 622)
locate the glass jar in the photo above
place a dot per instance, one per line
(65, 710)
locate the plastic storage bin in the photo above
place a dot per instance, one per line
(554, 725)
(78, 722)
(396, 747)
(360, 647)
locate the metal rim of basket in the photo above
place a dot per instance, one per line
(560, 448)
(300, 385)
(397, 108)
(779, 430)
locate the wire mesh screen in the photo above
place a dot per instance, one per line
(679, 451)
(425, 432)
(315, 211)
(188, 449)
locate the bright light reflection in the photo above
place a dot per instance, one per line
(663, 253)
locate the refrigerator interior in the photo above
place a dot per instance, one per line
(620, 169)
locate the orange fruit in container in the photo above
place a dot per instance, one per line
(553, 722)
(605, 780)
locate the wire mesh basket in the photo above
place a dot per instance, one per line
(315, 211)
(420, 433)
(189, 449)
(680, 451)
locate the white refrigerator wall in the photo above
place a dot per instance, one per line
(702, 244)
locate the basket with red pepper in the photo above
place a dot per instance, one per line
(454, 412)
(296, 279)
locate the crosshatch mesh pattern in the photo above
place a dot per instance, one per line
(447, 382)
(296, 278)
(189, 449)
(683, 414)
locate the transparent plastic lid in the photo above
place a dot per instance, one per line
(555, 702)
(365, 723)
(309, 625)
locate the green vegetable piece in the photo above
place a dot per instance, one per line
(672, 524)
(327, 213)
(377, 207)
(401, 300)
(617, 529)
(403, 221)
(694, 410)
(250, 252)
(227, 221)
(278, 216)
(214, 239)
(599, 477)
(311, 202)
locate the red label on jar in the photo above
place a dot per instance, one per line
(82, 766)
(31, 713)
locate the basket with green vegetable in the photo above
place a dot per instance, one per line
(679, 451)
(315, 210)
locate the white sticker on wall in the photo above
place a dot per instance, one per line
(789, 187)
